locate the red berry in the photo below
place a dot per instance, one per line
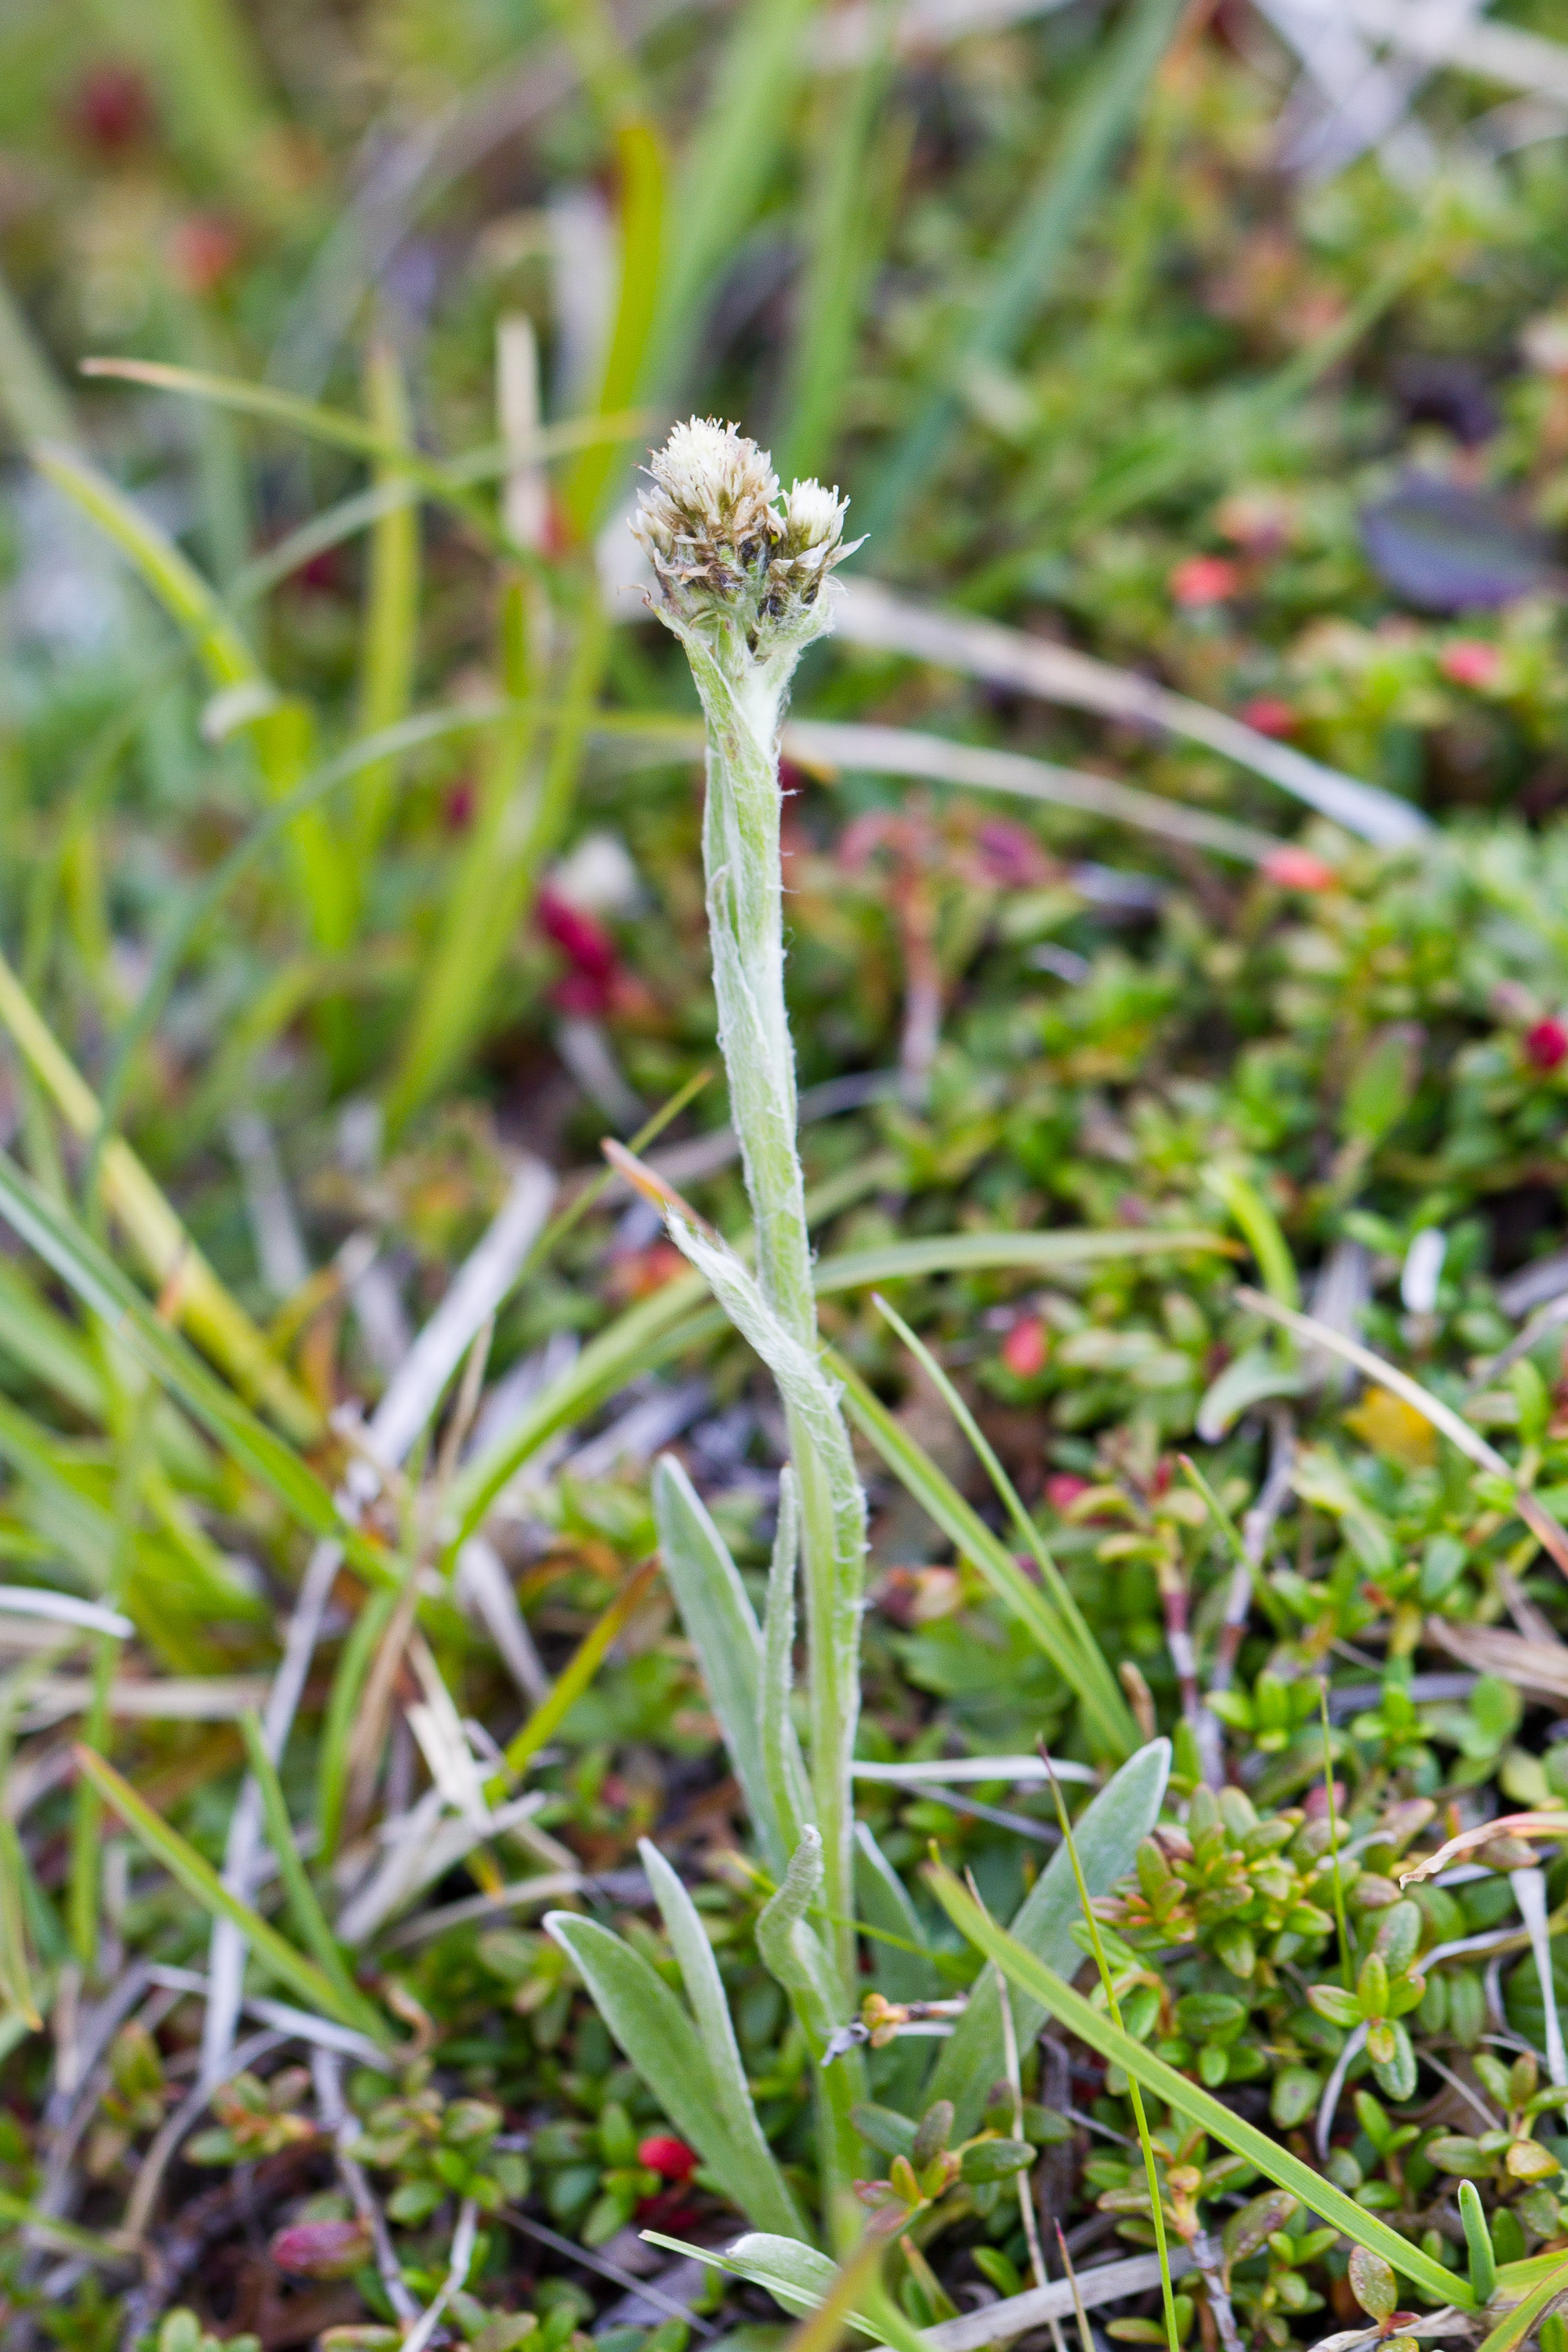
(1546, 1044)
(202, 249)
(1298, 869)
(111, 108)
(670, 2158)
(1062, 1490)
(1266, 714)
(1205, 580)
(1025, 1348)
(585, 943)
(1470, 661)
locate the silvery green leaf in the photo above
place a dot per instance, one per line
(722, 1627)
(710, 2008)
(795, 2275)
(661, 2042)
(1247, 1381)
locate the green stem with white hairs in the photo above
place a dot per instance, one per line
(743, 583)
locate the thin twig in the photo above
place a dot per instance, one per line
(326, 2073)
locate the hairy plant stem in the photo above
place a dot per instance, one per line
(742, 700)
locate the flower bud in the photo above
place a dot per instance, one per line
(730, 555)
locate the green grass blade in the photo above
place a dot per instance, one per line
(988, 1253)
(38, 1338)
(1109, 1833)
(61, 1242)
(15, 1971)
(336, 426)
(309, 1921)
(201, 1881)
(31, 395)
(279, 730)
(176, 583)
(575, 1675)
(338, 1725)
(640, 153)
(1151, 2173)
(445, 485)
(673, 1319)
(1111, 1725)
(1257, 1222)
(391, 610)
(726, 170)
(1478, 2244)
(1090, 1659)
(202, 1303)
(429, 727)
(856, 164)
(1188, 2099)
(1516, 2325)
(1031, 261)
(529, 798)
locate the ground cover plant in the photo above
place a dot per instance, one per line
(782, 1400)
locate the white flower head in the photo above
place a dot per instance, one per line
(727, 556)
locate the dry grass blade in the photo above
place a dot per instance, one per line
(1538, 1667)
(1536, 1518)
(872, 615)
(1109, 2283)
(1506, 1825)
(1493, 52)
(832, 745)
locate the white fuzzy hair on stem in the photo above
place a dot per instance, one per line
(744, 576)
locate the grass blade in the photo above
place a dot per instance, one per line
(101, 1286)
(343, 1703)
(201, 1302)
(995, 1253)
(640, 155)
(1109, 1832)
(1517, 2325)
(1151, 2174)
(857, 163)
(202, 1881)
(309, 1921)
(1443, 1418)
(392, 608)
(1109, 1717)
(176, 583)
(575, 1675)
(528, 804)
(1090, 1659)
(726, 170)
(1257, 1223)
(1188, 2099)
(1032, 258)
(673, 1319)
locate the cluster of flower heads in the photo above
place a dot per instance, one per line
(728, 550)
